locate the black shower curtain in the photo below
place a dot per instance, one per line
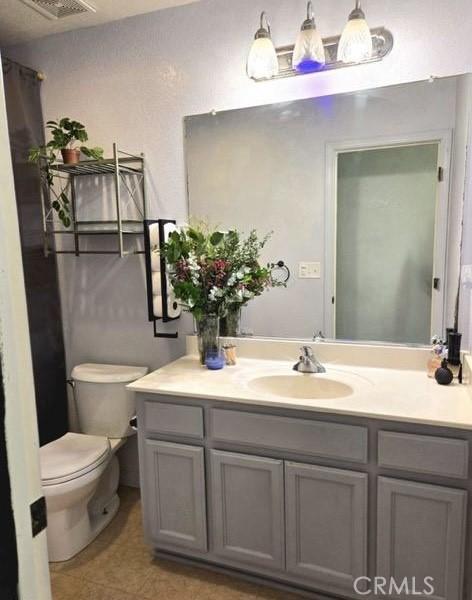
(25, 123)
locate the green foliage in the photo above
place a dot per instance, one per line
(215, 271)
(65, 133)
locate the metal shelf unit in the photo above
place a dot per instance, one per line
(123, 167)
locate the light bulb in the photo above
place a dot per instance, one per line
(355, 44)
(309, 52)
(262, 62)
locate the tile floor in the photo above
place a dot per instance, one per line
(119, 566)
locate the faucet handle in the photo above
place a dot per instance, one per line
(307, 351)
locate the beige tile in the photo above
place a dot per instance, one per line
(173, 581)
(125, 529)
(123, 568)
(90, 554)
(98, 592)
(65, 587)
(129, 494)
(118, 566)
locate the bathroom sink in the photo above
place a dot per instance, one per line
(306, 387)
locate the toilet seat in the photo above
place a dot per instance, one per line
(72, 456)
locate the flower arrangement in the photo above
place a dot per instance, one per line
(213, 272)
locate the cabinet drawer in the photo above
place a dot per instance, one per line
(424, 454)
(173, 419)
(302, 436)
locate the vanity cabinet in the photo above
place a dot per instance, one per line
(421, 533)
(326, 523)
(317, 502)
(174, 486)
(248, 508)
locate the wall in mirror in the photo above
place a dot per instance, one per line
(363, 193)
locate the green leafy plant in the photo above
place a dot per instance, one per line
(212, 271)
(66, 134)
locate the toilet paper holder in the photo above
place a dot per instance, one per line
(155, 232)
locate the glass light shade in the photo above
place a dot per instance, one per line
(262, 62)
(355, 44)
(309, 52)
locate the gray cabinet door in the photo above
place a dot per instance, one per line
(175, 494)
(420, 533)
(326, 532)
(248, 508)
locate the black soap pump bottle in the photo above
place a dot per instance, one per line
(444, 375)
(454, 353)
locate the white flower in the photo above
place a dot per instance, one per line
(215, 293)
(194, 268)
(231, 280)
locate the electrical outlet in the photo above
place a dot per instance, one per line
(466, 275)
(309, 270)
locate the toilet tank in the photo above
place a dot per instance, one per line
(104, 405)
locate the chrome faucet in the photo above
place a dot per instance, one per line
(308, 362)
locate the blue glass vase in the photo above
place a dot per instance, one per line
(208, 332)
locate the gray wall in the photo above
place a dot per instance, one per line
(265, 168)
(134, 81)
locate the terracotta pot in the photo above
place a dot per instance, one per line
(70, 156)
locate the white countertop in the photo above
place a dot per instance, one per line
(382, 393)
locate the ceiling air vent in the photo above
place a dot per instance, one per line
(59, 9)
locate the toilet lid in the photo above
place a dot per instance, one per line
(98, 373)
(72, 456)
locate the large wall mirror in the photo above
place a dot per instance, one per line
(363, 192)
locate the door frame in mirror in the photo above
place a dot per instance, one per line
(441, 312)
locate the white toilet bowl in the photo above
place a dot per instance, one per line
(79, 477)
(80, 471)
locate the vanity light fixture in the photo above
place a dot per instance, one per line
(262, 62)
(309, 52)
(355, 44)
(358, 44)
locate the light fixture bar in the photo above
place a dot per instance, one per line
(382, 41)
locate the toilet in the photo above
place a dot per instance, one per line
(80, 471)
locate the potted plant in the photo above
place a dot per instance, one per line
(212, 272)
(66, 133)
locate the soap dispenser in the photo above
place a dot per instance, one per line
(444, 375)
(454, 353)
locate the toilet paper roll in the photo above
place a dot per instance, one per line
(155, 261)
(157, 306)
(154, 238)
(168, 229)
(157, 283)
(173, 308)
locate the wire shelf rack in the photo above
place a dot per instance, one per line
(121, 167)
